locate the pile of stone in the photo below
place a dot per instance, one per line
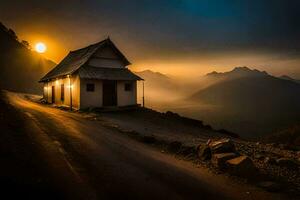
(287, 163)
(224, 156)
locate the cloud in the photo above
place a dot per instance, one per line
(165, 29)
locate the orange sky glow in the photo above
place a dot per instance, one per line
(180, 38)
(176, 64)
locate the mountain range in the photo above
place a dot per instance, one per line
(247, 101)
(21, 68)
(250, 102)
(285, 77)
(243, 88)
(159, 88)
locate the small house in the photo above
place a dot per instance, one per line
(92, 77)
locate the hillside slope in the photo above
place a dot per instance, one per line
(253, 102)
(289, 136)
(266, 92)
(157, 80)
(285, 77)
(20, 67)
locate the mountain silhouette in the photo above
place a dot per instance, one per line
(285, 77)
(244, 87)
(20, 67)
(159, 88)
(238, 72)
(266, 102)
(157, 80)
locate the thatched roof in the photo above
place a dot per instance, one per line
(76, 59)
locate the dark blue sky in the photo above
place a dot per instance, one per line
(160, 30)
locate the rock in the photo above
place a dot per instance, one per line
(174, 146)
(288, 163)
(222, 146)
(270, 161)
(259, 156)
(241, 166)
(204, 152)
(187, 150)
(269, 186)
(149, 139)
(209, 141)
(283, 146)
(219, 160)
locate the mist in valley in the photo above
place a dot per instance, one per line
(249, 102)
(246, 101)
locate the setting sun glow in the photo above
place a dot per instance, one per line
(40, 47)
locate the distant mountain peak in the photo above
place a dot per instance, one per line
(242, 69)
(213, 73)
(249, 71)
(286, 77)
(149, 72)
(238, 72)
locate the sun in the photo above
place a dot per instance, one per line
(40, 47)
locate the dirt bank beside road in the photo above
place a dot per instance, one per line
(90, 158)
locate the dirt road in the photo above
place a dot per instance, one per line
(90, 161)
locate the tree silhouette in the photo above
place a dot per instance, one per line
(13, 34)
(26, 44)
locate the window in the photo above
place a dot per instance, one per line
(128, 87)
(62, 92)
(90, 87)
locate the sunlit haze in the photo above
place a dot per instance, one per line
(150, 99)
(180, 38)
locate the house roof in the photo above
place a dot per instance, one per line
(75, 59)
(90, 72)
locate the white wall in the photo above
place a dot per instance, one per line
(75, 82)
(90, 99)
(83, 99)
(106, 57)
(126, 98)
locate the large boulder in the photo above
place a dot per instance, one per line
(222, 146)
(219, 160)
(204, 152)
(241, 166)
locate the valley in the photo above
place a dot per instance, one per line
(249, 102)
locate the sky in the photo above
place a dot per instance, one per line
(178, 37)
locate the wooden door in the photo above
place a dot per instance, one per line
(53, 94)
(109, 93)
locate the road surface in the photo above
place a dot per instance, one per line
(91, 161)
